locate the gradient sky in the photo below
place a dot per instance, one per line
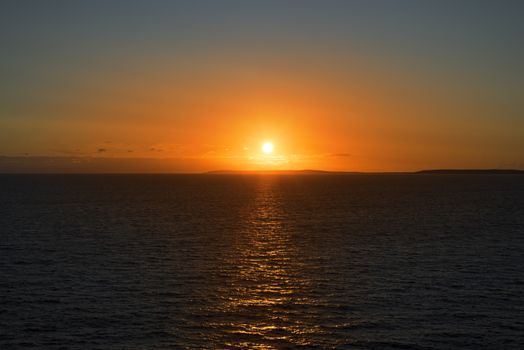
(194, 85)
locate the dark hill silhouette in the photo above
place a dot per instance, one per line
(471, 171)
(290, 172)
(325, 172)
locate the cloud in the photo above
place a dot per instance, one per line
(340, 155)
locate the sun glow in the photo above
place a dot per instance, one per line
(267, 147)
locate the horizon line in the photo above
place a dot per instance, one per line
(436, 171)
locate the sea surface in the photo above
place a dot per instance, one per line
(261, 262)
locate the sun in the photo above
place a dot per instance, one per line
(267, 147)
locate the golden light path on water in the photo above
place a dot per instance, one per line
(265, 300)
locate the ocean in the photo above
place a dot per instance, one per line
(262, 261)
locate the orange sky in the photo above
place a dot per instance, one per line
(206, 101)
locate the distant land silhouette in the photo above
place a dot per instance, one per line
(321, 172)
(471, 171)
(290, 172)
(109, 165)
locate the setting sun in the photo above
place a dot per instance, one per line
(267, 147)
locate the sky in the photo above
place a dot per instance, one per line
(191, 86)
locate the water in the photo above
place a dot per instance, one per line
(262, 262)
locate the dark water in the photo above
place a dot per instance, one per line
(262, 262)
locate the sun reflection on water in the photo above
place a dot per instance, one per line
(263, 302)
